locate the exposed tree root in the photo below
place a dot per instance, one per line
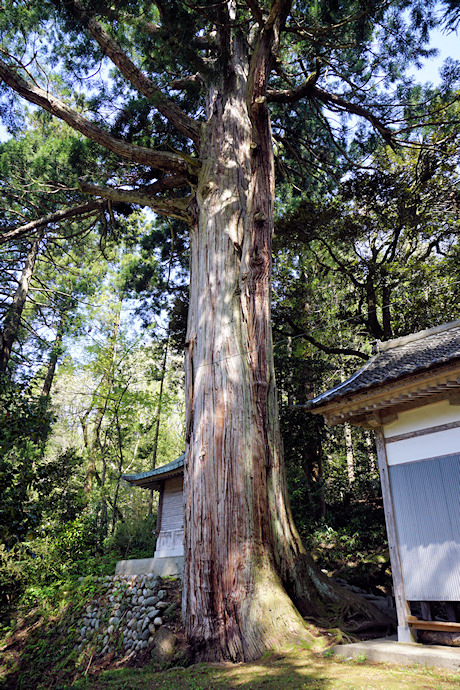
(272, 617)
(327, 604)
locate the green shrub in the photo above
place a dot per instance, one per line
(134, 538)
(24, 427)
(77, 539)
(13, 577)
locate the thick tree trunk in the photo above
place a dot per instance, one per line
(243, 557)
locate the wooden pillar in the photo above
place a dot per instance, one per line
(405, 633)
(160, 508)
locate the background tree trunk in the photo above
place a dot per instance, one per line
(55, 353)
(13, 315)
(349, 452)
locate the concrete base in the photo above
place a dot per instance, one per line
(388, 650)
(166, 567)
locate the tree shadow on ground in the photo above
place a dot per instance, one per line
(297, 669)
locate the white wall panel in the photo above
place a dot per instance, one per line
(422, 417)
(423, 447)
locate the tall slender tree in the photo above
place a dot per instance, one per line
(186, 102)
(45, 248)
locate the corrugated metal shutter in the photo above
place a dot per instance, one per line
(426, 499)
(172, 516)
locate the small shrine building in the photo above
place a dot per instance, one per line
(409, 394)
(168, 558)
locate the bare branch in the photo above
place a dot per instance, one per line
(310, 90)
(296, 93)
(167, 183)
(162, 160)
(337, 102)
(299, 333)
(57, 217)
(135, 76)
(186, 82)
(174, 208)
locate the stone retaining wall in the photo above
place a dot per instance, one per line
(126, 614)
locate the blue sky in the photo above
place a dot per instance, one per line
(448, 45)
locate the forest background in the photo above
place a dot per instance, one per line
(93, 314)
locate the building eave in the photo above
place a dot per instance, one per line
(373, 407)
(153, 479)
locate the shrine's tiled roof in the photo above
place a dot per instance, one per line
(149, 478)
(397, 358)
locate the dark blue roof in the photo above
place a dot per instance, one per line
(151, 477)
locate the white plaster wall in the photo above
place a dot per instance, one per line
(424, 447)
(428, 445)
(422, 417)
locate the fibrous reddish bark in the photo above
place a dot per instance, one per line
(243, 557)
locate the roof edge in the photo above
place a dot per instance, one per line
(399, 393)
(158, 474)
(406, 339)
(323, 398)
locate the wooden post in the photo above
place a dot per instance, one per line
(160, 508)
(405, 633)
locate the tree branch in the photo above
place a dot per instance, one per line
(297, 93)
(325, 348)
(134, 75)
(167, 183)
(332, 100)
(256, 11)
(161, 160)
(309, 89)
(175, 208)
(329, 29)
(186, 82)
(57, 217)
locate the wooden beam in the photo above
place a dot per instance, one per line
(441, 626)
(388, 418)
(374, 420)
(454, 398)
(402, 607)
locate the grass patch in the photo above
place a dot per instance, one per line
(294, 670)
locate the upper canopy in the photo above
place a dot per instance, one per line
(401, 372)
